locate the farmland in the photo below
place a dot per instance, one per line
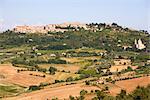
(80, 64)
(26, 78)
(128, 85)
(7, 89)
(60, 92)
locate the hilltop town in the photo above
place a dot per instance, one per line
(69, 26)
(51, 27)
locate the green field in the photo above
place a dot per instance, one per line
(7, 90)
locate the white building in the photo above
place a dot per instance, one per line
(139, 45)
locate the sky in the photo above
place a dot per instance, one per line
(128, 13)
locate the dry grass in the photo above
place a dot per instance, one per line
(66, 67)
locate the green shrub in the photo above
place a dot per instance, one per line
(69, 79)
(56, 61)
(52, 70)
(34, 87)
(83, 92)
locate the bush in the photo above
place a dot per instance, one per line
(87, 82)
(57, 81)
(92, 91)
(113, 82)
(56, 47)
(69, 79)
(57, 61)
(108, 79)
(106, 88)
(82, 76)
(88, 72)
(52, 70)
(83, 92)
(81, 98)
(42, 70)
(100, 94)
(34, 87)
(71, 97)
(55, 98)
(44, 84)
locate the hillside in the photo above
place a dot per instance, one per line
(99, 36)
(96, 57)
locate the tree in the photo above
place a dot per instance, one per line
(81, 98)
(87, 82)
(55, 98)
(42, 70)
(129, 68)
(121, 95)
(113, 81)
(141, 93)
(69, 79)
(83, 92)
(71, 97)
(100, 94)
(57, 61)
(114, 24)
(108, 79)
(34, 87)
(108, 98)
(106, 88)
(52, 70)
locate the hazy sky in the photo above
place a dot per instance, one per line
(131, 13)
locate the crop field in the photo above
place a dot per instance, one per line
(60, 92)
(22, 78)
(8, 73)
(80, 59)
(66, 67)
(7, 89)
(128, 85)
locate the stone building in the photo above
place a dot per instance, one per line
(139, 45)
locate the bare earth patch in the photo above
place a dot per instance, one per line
(22, 78)
(128, 85)
(9, 74)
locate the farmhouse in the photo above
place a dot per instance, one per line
(126, 47)
(39, 54)
(52, 55)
